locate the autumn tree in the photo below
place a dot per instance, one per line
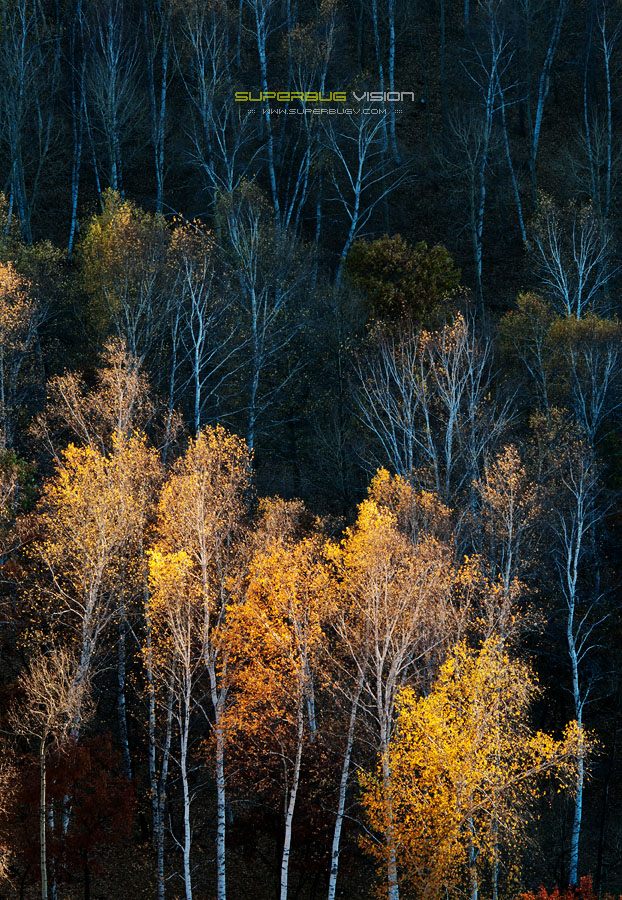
(7, 798)
(400, 606)
(465, 769)
(277, 638)
(176, 613)
(20, 318)
(123, 256)
(54, 704)
(195, 566)
(570, 362)
(510, 510)
(90, 510)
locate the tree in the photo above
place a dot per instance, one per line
(359, 174)
(20, 319)
(112, 82)
(464, 769)
(270, 274)
(277, 635)
(196, 562)
(368, 651)
(123, 262)
(572, 363)
(399, 593)
(572, 258)
(55, 702)
(90, 511)
(402, 282)
(486, 73)
(510, 510)
(203, 344)
(536, 96)
(7, 795)
(30, 57)
(576, 511)
(176, 612)
(425, 397)
(157, 27)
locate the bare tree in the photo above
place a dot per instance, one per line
(157, 35)
(572, 257)
(358, 173)
(112, 82)
(590, 161)
(268, 276)
(426, 399)
(576, 511)
(30, 55)
(486, 71)
(202, 333)
(537, 95)
(263, 23)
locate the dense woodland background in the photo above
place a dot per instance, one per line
(310, 457)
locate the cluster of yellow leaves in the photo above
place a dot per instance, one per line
(15, 306)
(465, 769)
(195, 561)
(278, 633)
(92, 514)
(17, 315)
(415, 511)
(122, 254)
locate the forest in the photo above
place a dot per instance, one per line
(310, 449)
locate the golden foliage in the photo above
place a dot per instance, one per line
(465, 769)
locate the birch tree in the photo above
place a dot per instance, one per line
(112, 82)
(268, 280)
(577, 509)
(30, 58)
(280, 623)
(203, 336)
(123, 259)
(572, 253)
(398, 591)
(464, 762)
(197, 556)
(425, 396)
(358, 174)
(21, 317)
(52, 704)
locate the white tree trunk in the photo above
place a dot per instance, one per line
(291, 806)
(185, 726)
(221, 847)
(343, 785)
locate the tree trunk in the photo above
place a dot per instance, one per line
(221, 847)
(185, 726)
(42, 823)
(343, 784)
(121, 705)
(291, 805)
